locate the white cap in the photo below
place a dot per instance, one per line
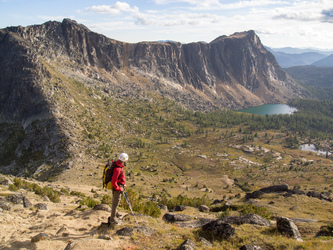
(123, 157)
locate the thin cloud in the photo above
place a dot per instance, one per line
(116, 9)
(327, 16)
(218, 5)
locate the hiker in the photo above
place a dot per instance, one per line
(118, 185)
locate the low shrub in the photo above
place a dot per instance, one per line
(184, 200)
(90, 202)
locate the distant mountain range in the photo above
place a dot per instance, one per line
(290, 57)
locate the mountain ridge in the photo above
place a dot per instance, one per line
(57, 77)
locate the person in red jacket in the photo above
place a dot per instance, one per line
(118, 183)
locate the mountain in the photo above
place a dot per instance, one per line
(290, 50)
(287, 60)
(65, 92)
(325, 62)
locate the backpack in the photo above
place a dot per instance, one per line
(107, 174)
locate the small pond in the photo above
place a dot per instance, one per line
(312, 148)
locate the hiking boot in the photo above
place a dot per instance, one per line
(114, 221)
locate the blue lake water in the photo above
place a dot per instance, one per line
(270, 109)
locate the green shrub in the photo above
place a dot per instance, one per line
(90, 202)
(13, 188)
(82, 195)
(184, 200)
(18, 183)
(106, 199)
(64, 191)
(143, 207)
(250, 209)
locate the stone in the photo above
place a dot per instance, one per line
(187, 245)
(254, 219)
(286, 227)
(103, 207)
(179, 208)
(169, 217)
(15, 198)
(39, 237)
(205, 242)
(41, 206)
(126, 231)
(203, 208)
(218, 228)
(26, 202)
(163, 207)
(5, 205)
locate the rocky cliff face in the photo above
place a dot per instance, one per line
(35, 61)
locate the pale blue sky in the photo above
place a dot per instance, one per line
(278, 23)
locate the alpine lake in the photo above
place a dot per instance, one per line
(277, 109)
(270, 109)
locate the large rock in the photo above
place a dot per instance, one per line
(15, 198)
(5, 205)
(218, 228)
(187, 245)
(41, 206)
(169, 217)
(246, 219)
(286, 227)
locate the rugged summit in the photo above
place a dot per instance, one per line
(44, 69)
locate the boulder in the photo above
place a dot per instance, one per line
(255, 219)
(163, 207)
(254, 195)
(205, 242)
(169, 217)
(187, 245)
(41, 206)
(203, 208)
(275, 189)
(126, 231)
(179, 208)
(5, 205)
(246, 219)
(26, 202)
(218, 228)
(103, 207)
(15, 198)
(286, 227)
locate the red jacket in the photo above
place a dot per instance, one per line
(118, 177)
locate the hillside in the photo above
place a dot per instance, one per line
(318, 80)
(325, 62)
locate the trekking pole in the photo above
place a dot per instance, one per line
(127, 200)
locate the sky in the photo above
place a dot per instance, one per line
(278, 23)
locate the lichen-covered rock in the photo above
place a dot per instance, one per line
(219, 229)
(286, 227)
